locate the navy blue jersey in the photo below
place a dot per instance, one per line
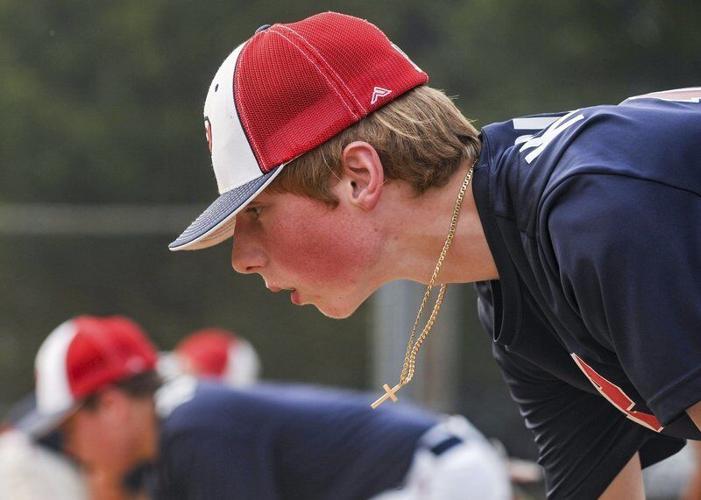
(281, 442)
(594, 222)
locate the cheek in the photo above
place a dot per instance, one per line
(93, 442)
(82, 442)
(322, 250)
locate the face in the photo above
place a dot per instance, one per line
(99, 439)
(322, 256)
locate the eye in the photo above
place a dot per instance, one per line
(254, 211)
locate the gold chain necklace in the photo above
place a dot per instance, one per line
(414, 343)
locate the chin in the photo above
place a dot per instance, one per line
(337, 311)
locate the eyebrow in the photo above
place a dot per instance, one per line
(257, 202)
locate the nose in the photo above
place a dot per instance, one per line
(246, 257)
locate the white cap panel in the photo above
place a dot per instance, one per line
(242, 364)
(228, 139)
(52, 387)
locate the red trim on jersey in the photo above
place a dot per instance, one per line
(617, 397)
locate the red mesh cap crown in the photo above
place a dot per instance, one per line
(219, 354)
(288, 89)
(206, 351)
(85, 354)
(299, 84)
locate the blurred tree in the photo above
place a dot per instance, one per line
(101, 103)
(102, 99)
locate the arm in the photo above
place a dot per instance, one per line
(694, 413)
(584, 444)
(627, 484)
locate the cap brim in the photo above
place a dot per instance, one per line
(26, 418)
(38, 425)
(218, 221)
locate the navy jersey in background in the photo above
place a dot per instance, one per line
(594, 221)
(281, 442)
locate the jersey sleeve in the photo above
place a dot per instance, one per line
(628, 252)
(583, 441)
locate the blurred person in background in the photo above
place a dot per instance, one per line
(97, 382)
(35, 469)
(219, 355)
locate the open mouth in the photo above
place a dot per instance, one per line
(276, 289)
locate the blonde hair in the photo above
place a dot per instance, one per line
(421, 138)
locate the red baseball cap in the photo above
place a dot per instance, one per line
(219, 354)
(84, 355)
(285, 91)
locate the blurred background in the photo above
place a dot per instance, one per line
(103, 162)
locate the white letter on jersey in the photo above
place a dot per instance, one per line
(541, 142)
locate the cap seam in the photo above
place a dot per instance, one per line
(244, 116)
(361, 109)
(324, 74)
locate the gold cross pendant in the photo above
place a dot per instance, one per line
(390, 393)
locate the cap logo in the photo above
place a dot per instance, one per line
(378, 92)
(208, 133)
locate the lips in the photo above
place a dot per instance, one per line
(295, 296)
(276, 288)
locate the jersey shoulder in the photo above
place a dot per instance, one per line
(670, 115)
(688, 94)
(651, 137)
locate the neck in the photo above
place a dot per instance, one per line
(147, 450)
(419, 229)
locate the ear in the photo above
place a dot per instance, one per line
(363, 175)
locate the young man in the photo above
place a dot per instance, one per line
(96, 379)
(339, 171)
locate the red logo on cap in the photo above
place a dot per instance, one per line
(208, 133)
